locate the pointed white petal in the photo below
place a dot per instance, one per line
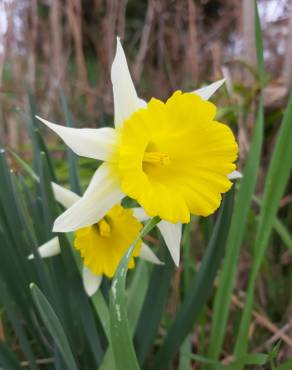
(172, 236)
(48, 249)
(207, 91)
(147, 254)
(140, 214)
(101, 195)
(64, 196)
(91, 282)
(86, 142)
(126, 101)
(235, 175)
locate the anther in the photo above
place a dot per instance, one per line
(104, 228)
(156, 157)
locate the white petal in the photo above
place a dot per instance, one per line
(126, 101)
(207, 91)
(91, 282)
(101, 195)
(48, 249)
(140, 214)
(235, 175)
(147, 254)
(64, 196)
(86, 142)
(172, 236)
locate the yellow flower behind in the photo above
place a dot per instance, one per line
(174, 158)
(102, 245)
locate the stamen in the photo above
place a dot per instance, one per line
(156, 157)
(104, 228)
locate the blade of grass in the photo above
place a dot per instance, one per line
(54, 326)
(24, 165)
(249, 359)
(121, 335)
(284, 234)
(276, 181)
(154, 304)
(184, 354)
(188, 271)
(82, 307)
(8, 360)
(18, 328)
(72, 158)
(69, 280)
(237, 230)
(279, 227)
(87, 321)
(108, 362)
(201, 286)
(286, 366)
(239, 221)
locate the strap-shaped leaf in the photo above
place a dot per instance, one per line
(276, 181)
(54, 326)
(71, 156)
(201, 287)
(8, 360)
(121, 334)
(154, 304)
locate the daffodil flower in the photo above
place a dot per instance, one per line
(173, 158)
(103, 244)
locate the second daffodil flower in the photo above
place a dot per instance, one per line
(103, 244)
(174, 158)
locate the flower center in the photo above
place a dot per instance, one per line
(103, 244)
(156, 158)
(104, 228)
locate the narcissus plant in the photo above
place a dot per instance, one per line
(173, 158)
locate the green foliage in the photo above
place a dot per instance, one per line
(121, 336)
(277, 178)
(201, 286)
(54, 326)
(239, 224)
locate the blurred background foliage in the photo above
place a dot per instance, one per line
(53, 48)
(53, 44)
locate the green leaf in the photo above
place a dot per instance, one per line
(121, 335)
(276, 181)
(238, 225)
(82, 312)
(136, 292)
(236, 234)
(7, 358)
(213, 364)
(286, 366)
(24, 165)
(54, 326)
(14, 315)
(108, 362)
(279, 227)
(252, 359)
(72, 158)
(185, 353)
(154, 304)
(259, 49)
(201, 287)
(249, 359)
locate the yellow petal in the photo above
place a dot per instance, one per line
(101, 251)
(174, 159)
